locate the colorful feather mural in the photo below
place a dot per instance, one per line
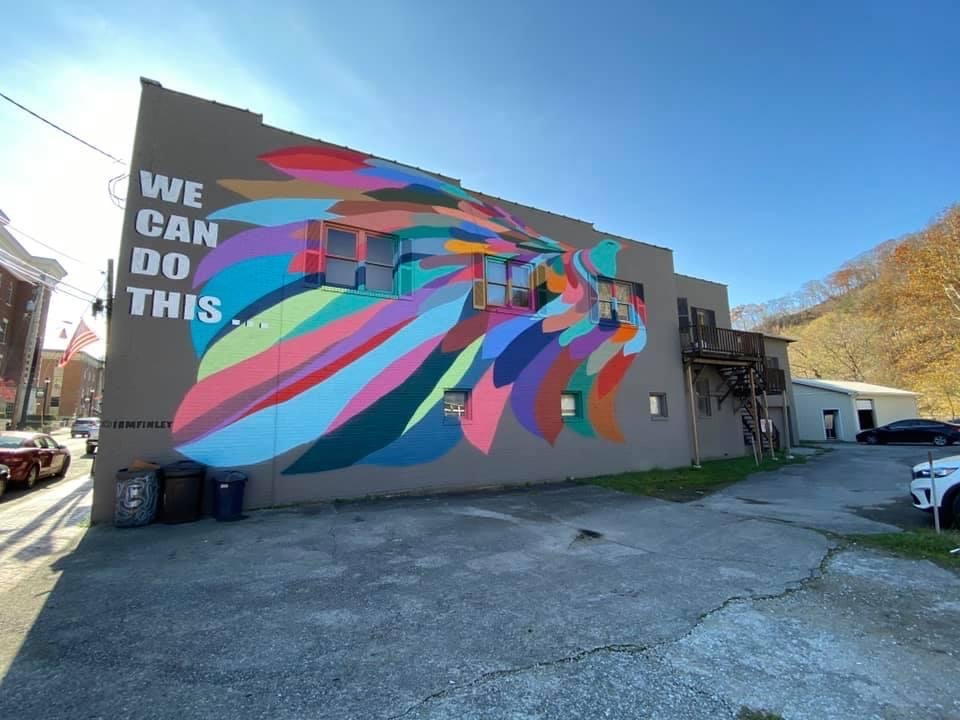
(346, 376)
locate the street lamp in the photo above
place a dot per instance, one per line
(43, 406)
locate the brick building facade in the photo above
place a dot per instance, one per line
(25, 280)
(74, 390)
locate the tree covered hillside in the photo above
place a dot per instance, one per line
(890, 316)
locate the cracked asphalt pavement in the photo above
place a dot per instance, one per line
(554, 602)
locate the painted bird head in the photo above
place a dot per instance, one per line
(357, 374)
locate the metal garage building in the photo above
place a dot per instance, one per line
(839, 409)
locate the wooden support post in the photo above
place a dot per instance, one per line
(756, 415)
(693, 416)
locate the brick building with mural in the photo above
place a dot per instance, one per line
(336, 325)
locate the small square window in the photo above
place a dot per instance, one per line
(658, 405)
(455, 404)
(570, 405)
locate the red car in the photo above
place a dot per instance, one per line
(32, 456)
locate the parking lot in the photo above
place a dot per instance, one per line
(552, 602)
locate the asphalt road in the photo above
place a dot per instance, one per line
(546, 603)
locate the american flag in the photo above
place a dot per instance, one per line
(81, 338)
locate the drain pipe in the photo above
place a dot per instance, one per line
(693, 416)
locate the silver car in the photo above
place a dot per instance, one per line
(81, 426)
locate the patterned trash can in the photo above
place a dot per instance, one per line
(136, 501)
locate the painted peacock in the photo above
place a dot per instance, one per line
(329, 378)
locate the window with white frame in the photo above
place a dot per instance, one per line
(616, 301)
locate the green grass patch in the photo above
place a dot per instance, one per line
(689, 483)
(750, 714)
(922, 544)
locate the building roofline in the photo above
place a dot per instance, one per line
(779, 337)
(829, 386)
(41, 264)
(700, 279)
(457, 181)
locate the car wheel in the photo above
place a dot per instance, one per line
(33, 476)
(940, 440)
(3, 486)
(62, 472)
(89, 449)
(872, 440)
(953, 503)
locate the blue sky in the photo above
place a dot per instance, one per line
(764, 142)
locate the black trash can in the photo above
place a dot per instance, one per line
(182, 492)
(228, 486)
(137, 497)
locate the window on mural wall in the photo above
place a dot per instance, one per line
(455, 404)
(658, 405)
(570, 405)
(350, 258)
(616, 301)
(509, 283)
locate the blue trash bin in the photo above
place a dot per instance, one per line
(228, 487)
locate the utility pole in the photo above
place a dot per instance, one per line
(22, 402)
(109, 304)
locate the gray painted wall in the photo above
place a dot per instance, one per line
(151, 362)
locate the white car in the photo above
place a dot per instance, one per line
(946, 475)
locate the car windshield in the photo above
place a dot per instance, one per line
(8, 441)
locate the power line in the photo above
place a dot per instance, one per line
(49, 247)
(65, 132)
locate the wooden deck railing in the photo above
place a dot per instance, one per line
(706, 341)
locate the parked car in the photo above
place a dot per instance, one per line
(81, 426)
(912, 431)
(4, 479)
(947, 481)
(32, 456)
(93, 439)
